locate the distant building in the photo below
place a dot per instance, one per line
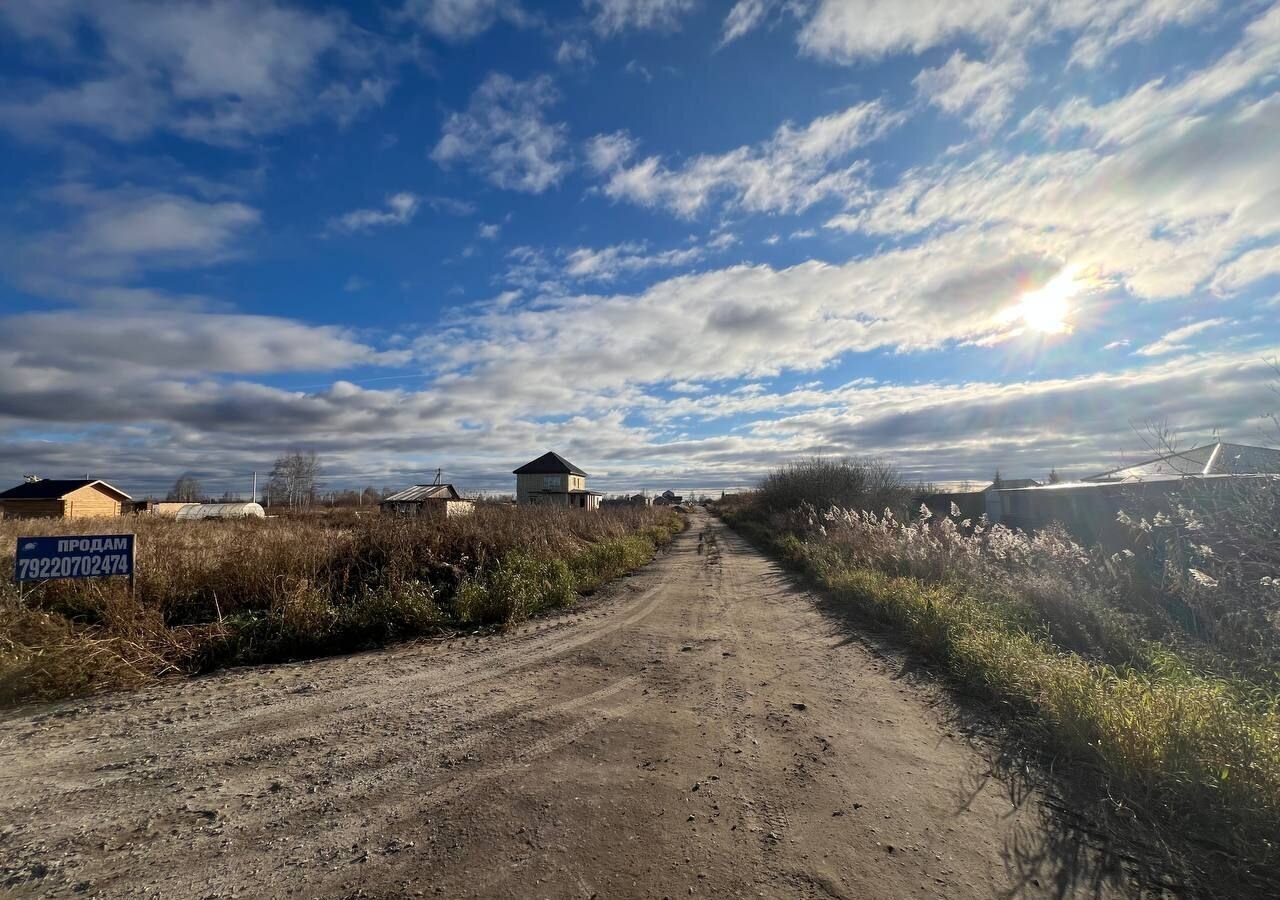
(433, 501)
(552, 479)
(1220, 458)
(1088, 508)
(1012, 484)
(669, 498)
(59, 498)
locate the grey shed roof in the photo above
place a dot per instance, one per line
(55, 489)
(420, 492)
(1221, 458)
(549, 463)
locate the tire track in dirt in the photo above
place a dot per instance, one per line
(500, 658)
(707, 732)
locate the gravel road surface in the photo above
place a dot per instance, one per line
(702, 728)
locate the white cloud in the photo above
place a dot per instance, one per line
(1109, 25)
(1018, 425)
(575, 52)
(489, 231)
(1159, 209)
(743, 18)
(609, 263)
(607, 152)
(1160, 105)
(982, 92)
(117, 233)
(1117, 345)
(790, 172)
(745, 321)
(1246, 269)
(179, 342)
(210, 72)
(687, 387)
(851, 30)
(505, 137)
(460, 20)
(636, 68)
(400, 209)
(614, 16)
(848, 30)
(1176, 340)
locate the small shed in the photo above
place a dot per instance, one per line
(64, 498)
(433, 501)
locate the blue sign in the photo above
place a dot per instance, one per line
(76, 556)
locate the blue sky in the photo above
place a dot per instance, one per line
(677, 241)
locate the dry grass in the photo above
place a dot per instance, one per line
(1181, 725)
(218, 593)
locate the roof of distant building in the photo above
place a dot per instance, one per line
(421, 492)
(55, 489)
(549, 463)
(1221, 458)
(1011, 484)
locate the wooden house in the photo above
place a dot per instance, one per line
(60, 498)
(440, 501)
(551, 479)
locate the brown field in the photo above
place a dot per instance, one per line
(216, 593)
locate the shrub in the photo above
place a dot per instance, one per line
(850, 484)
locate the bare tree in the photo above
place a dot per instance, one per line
(186, 489)
(294, 479)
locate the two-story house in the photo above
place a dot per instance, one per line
(553, 479)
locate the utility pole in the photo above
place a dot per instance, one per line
(255, 487)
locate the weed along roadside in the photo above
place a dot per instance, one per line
(1177, 734)
(238, 592)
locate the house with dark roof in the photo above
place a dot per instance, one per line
(433, 501)
(552, 479)
(64, 498)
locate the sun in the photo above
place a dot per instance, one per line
(1048, 310)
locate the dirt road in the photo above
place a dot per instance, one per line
(702, 730)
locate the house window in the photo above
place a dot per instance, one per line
(551, 482)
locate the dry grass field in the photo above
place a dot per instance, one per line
(1154, 673)
(216, 593)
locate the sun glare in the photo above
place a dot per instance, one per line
(1048, 310)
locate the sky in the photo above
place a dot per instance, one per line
(680, 242)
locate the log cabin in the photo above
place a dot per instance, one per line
(64, 498)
